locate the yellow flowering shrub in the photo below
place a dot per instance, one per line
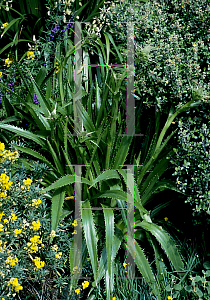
(25, 232)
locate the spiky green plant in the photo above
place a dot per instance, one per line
(105, 151)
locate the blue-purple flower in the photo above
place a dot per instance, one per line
(11, 85)
(57, 28)
(53, 32)
(1, 95)
(35, 100)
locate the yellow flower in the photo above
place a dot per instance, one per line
(1, 74)
(77, 291)
(3, 195)
(34, 247)
(17, 231)
(75, 223)
(38, 263)
(2, 146)
(58, 255)
(15, 285)
(27, 182)
(76, 269)
(35, 239)
(1, 215)
(12, 260)
(85, 285)
(4, 25)
(30, 55)
(7, 62)
(52, 234)
(124, 265)
(36, 202)
(169, 297)
(155, 29)
(13, 217)
(113, 298)
(6, 221)
(69, 198)
(1, 227)
(166, 219)
(36, 225)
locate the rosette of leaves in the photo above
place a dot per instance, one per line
(102, 147)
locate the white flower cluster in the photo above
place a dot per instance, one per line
(100, 22)
(7, 3)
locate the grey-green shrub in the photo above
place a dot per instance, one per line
(192, 166)
(171, 46)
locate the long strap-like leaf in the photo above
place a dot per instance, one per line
(56, 208)
(24, 133)
(109, 228)
(143, 266)
(166, 243)
(90, 235)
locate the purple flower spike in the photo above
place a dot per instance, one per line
(35, 100)
(11, 86)
(1, 96)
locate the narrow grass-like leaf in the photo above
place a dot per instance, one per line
(56, 208)
(75, 266)
(166, 243)
(109, 228)
(122, 152)
(144, 266)
(44, 105)
(107, 48)
(36, 155)
(66, 180)
(129, 184)
(24, 133)
(90, 235)
(108, 174)
(113, 43)
(55, 158)
(121, 195)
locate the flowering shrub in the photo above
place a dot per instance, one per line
(28, 261)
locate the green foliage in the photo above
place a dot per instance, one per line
(126, 288)
(171, 49)
(48, 97)
(198, 287)
(21, 241)
(25, 21)
(192, 163)
(99, 139)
